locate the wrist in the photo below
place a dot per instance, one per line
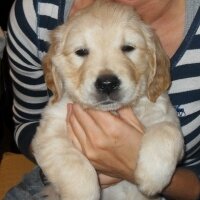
(182, 180)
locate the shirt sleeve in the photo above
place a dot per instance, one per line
(30, 91)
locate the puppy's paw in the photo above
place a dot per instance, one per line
(155, 168)
(151, 183)
(161, 149)
(49, 193)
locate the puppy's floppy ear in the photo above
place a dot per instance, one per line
(51, 75)
(52, 78)
(159, 79)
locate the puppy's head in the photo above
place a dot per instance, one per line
(106, 57)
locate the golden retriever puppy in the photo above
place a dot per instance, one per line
(106, 58)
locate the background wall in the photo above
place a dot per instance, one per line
(7, 143)
(4, 10)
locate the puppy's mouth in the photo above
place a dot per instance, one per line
(108, 102)
(105, 99)
(108, 105)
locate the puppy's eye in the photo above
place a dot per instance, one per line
(127, 48)
(82, 52)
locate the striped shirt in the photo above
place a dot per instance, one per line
(28, 30)
(185, 92)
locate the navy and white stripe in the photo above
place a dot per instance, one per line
(28, 32)
(185, 91)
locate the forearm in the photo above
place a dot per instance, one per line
(24, 134)
(184, 185)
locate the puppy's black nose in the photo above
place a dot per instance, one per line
(107, 83)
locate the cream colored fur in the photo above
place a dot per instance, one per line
(105, 29)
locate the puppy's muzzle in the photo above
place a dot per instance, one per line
(107, 84)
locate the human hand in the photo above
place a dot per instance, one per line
(107, 181)
(78, 5)
(110, 142)
(128, 2)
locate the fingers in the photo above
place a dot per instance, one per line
(105, 119)
(95, 122)
(74, 128)
(127, 114)
(82, 120)
(128, 2)
(106, 181)
(73, 137)
(102, 122)
(85, 132)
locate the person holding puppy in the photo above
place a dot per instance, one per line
(176, 22)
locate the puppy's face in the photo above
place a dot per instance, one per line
(106, 57)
